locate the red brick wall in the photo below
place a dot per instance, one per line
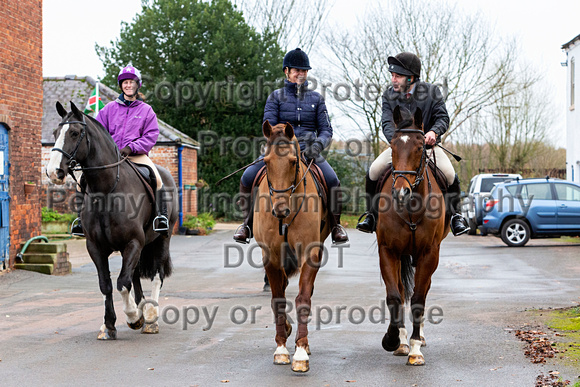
(21, 111)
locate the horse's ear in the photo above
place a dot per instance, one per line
(61, 111)
(418, 118)
(289, 131)
(267, 129)
(75, 110)
(397, 117)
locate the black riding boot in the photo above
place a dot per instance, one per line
(369, 224)
(458, 223)
(244, 232)
(161, 223)
(338, 233)
(76, 226)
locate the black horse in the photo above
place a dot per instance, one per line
(117, 215)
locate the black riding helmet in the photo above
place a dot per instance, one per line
(405, 63)
(296, 59)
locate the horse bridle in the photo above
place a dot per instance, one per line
(74, 165)
(283, 228)
(419, 172)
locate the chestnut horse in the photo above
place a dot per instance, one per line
(289, 221)
(411, 225)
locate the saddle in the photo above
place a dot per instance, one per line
(439, 177)
(147, 177)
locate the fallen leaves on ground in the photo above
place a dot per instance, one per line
(539, 346)
(551, 380)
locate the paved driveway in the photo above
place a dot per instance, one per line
(216, 326)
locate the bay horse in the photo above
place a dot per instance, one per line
(411, 225)
(117, 216)
(289, 221)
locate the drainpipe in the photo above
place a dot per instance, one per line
(180, 173)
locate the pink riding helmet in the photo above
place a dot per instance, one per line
(129, 72)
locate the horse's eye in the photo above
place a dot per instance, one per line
(74, 134)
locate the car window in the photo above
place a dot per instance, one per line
(537, 191)
(488, 183)
(512, 189)
(568, 192)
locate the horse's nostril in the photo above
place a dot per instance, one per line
(60, 174)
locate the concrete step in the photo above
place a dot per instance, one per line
(39, 258)
(43, 268)
(44, 248)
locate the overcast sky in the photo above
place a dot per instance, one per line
(541, 28)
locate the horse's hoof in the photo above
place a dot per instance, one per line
(390, 345)
(416, 360)
(107, 334)
(300, 365)
(423, 342)
(403, 350)
(281, 359)
(137, 324)
(151, 328)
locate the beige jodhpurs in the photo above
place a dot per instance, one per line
(443, 163)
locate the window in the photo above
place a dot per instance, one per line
(572, 82)
(568, 192)
(539, 191)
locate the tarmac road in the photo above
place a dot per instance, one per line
(48, 324)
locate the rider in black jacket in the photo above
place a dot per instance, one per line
(408, 92)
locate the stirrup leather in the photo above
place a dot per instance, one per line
(160, 223)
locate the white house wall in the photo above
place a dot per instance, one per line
(573, 116)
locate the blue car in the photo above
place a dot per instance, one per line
(532, 208)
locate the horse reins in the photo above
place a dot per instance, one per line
(76, 166)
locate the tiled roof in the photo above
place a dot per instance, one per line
(571, 42)
(77, 89)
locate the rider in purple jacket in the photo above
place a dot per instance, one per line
(133, 125)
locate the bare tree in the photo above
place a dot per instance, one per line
(457, 51)
(292, 22)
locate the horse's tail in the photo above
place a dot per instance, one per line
(407, 276)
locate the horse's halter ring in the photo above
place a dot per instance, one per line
(419, 172)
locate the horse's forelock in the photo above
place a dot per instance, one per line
(406, 123)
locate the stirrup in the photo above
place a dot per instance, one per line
(343, 230)
(245, 240)
(159, 225)
(466, 229)
(368, 214)
(77, 224)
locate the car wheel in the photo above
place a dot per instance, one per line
(515, 233)
(472, 228)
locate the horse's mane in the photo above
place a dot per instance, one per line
(103, 130)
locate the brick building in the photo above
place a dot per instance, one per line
(20, 118)
(174, 150)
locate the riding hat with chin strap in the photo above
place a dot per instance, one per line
(405, 63)
(296, 59)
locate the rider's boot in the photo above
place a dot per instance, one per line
(161, 222)
(459, 225)
(369, 224)
(244, 232)
(338, 233)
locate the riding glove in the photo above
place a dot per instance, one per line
(126, 151)
(313, 151)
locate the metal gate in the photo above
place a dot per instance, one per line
(4, 198)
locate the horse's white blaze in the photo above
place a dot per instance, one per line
(300, 354)
(403, 335)
(415, 348)
(56, 157)
(129, 306)
(149, 311)
(405, 139)
(282, 350)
